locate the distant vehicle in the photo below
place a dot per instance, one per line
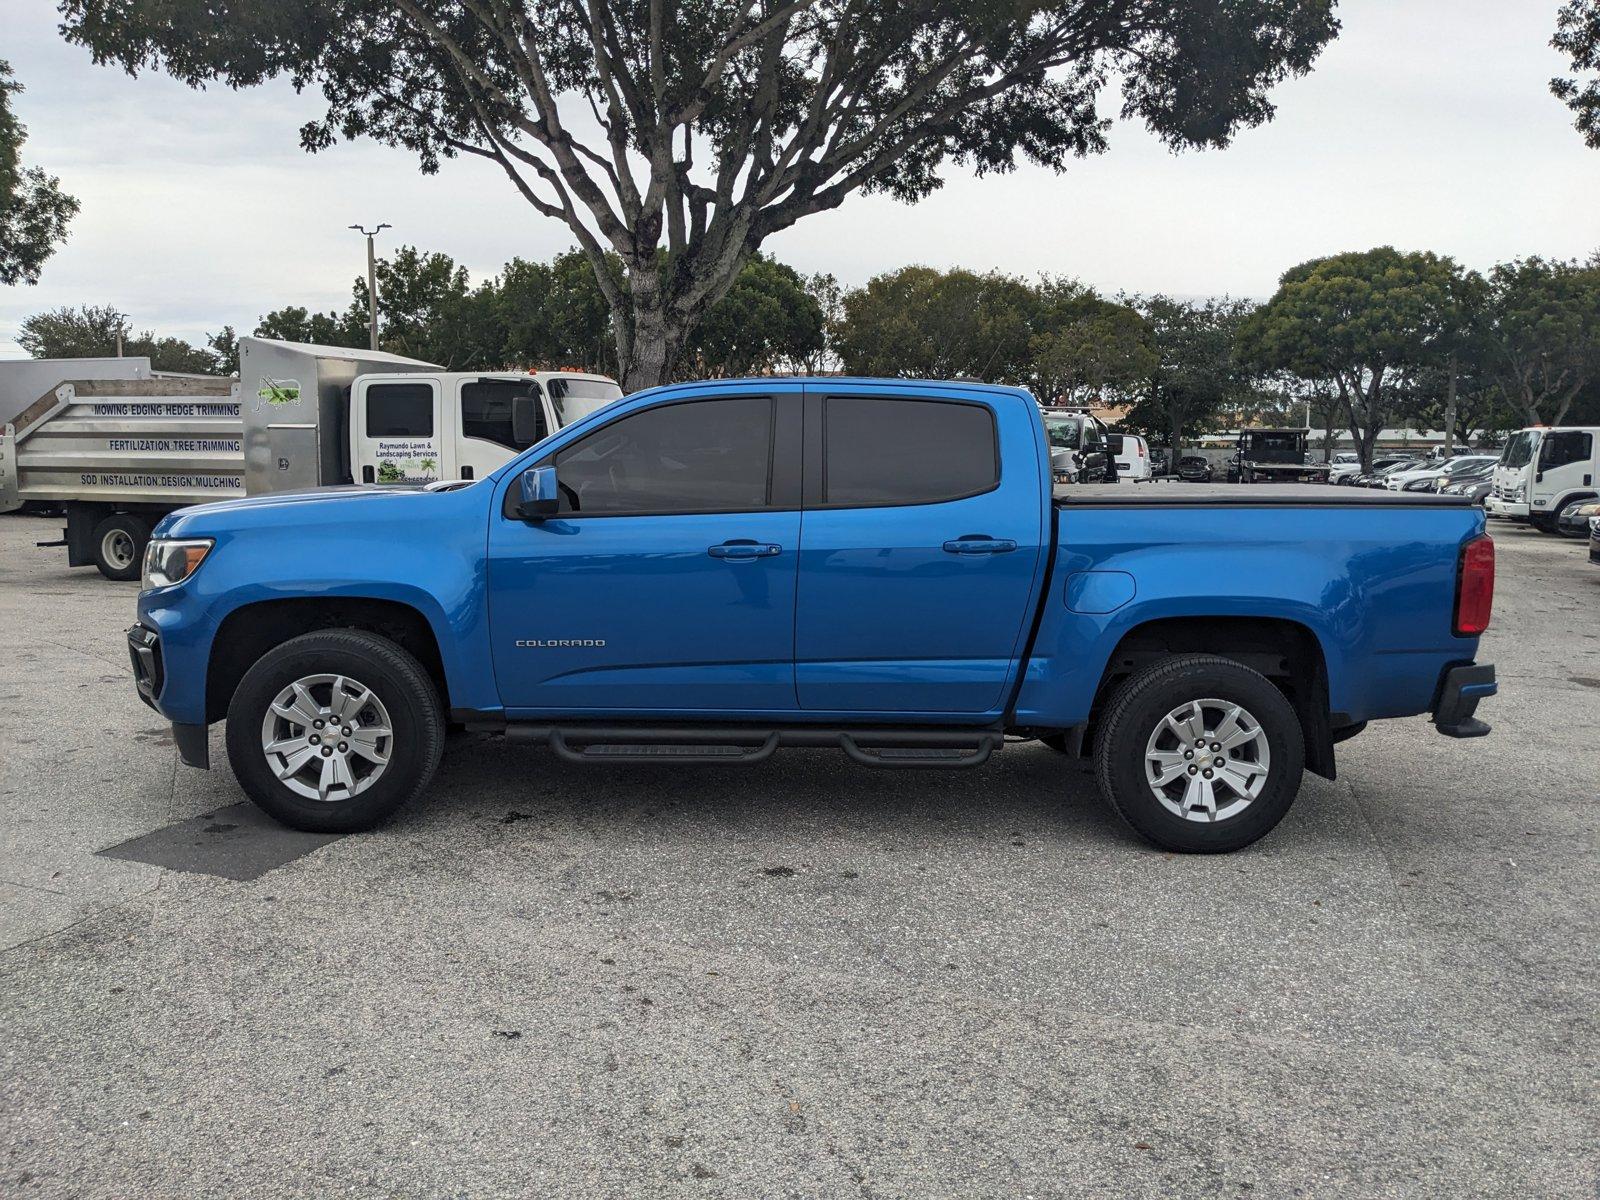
(1541, 471)
(1079, 448)
(1594, 540)
(1344, 467)
(1277, 456)
(118, 454)
(1467, 482)
(1573, 519)
(1425, 477)
(1374, 477)
(1132, 455)
(1194, 468)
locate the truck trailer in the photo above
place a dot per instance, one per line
(120, 454)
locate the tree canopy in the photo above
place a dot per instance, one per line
(718, 123)
(1194, 371)
(1544, 334)
(34, 211)
(1578, 37)
(90, 331)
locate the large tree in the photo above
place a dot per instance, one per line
(767, 322)
(1544, 323)
(1578, 37)
(1194, 372)
(924, 323)
(34, 211)
(1360, 321)
(1086, 346)
(680, 134)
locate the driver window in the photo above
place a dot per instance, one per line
(699, 456)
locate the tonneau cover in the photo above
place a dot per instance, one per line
(1249, 495)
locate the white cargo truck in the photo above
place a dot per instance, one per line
(120, 454)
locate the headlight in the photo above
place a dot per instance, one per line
(1519, 493)
(169, 561)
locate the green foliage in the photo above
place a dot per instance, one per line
(34, 211)
(295, 324)
(1542, 322)
(90, 331)
(719, 122)
(1362, 321)
(1578, 37)
(1196, 372)
(768, 321)
(224, 347)
(1087, 348)
(923, 323)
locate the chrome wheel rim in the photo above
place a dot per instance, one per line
(327, 737)
(117, 548)
(1207, 760)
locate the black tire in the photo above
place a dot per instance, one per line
(118, 549)
(1142, 703)
(398, 682)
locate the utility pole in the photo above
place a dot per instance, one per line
(372, 284)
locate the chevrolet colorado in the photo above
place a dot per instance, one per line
(707, 572)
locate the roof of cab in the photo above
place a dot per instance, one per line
(835, 382)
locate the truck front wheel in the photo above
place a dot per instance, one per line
(331, 732)
(118, 548)
(1200, 754)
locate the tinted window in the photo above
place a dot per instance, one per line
(1564, 448)
(1062, 433)
(906, 451)
(486, 410)
(400, 410)
(703, 456)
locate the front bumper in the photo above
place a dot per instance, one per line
(149, 678)
(1495, 506)
(1460, 689)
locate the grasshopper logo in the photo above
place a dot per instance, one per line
(549, 643)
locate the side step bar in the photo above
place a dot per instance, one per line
(870, 746)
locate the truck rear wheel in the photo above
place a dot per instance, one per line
(1200, 754)
(331, 732)
(119, 543)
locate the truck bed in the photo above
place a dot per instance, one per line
(1242, 495)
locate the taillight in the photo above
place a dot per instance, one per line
(1475, 586)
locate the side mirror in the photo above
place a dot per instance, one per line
(527, 420)
(540, 497)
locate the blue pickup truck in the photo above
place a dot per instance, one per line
(705, 573)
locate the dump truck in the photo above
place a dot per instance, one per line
(119, 454)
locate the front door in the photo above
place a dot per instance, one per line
(398, 435)
(922, 543)
(1566, 464)
(666, 582)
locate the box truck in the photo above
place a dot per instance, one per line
(119, 454)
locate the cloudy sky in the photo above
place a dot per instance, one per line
(1427, 125)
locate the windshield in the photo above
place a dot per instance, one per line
(1062, 432)
(1466, 466)
(1519, 450)
(575, 399)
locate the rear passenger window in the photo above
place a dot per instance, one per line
(880, 452)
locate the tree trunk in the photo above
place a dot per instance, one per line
(1450, 411)
(647, 343)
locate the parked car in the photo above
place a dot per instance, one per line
(1344, 467)
(1467, 479)
(1132, 456)
(906, 591)
(1594, 540)
(1194, 468)
(1573, 520)
(1079, 448)
(1380, 467)
(1425, 478)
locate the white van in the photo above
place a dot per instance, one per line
(1543, 471)
(1132, 454)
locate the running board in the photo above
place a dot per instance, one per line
(870, 746)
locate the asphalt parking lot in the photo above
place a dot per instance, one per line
(801, 978)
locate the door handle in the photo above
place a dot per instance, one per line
(744, 549)
(979, 543)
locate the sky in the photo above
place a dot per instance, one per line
(1427, 125)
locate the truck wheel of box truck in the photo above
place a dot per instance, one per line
(1200, 754)
(332, 731)
(118, 547)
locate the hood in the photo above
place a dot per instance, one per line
(313, 504)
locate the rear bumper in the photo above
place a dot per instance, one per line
(1460, 690)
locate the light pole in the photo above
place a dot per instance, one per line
(372, 284)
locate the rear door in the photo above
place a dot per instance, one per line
(923, 536)
(396, 433)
